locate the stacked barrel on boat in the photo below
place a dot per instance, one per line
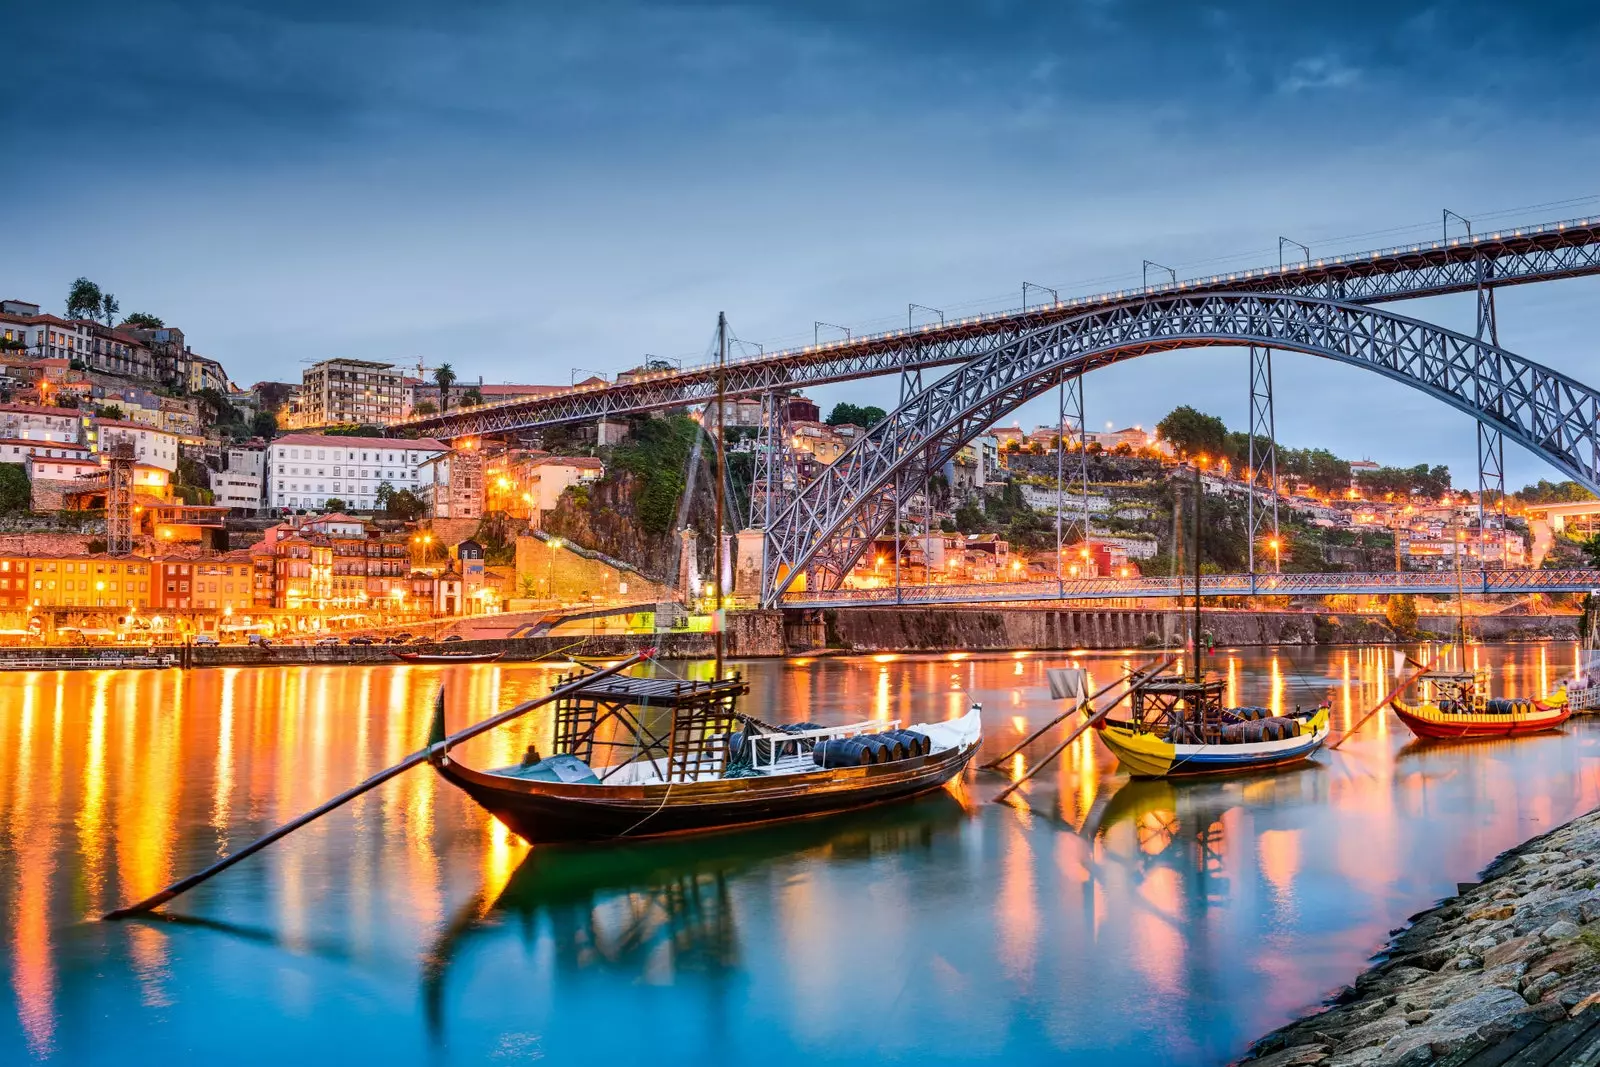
(866, 749)
(1241, 726)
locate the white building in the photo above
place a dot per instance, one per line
(242, 481)
(304, 470)
(351, 391)
(151, 446)
(29, 422)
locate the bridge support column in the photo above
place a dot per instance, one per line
(1491, 445)
(1262, 464)
(1070, 413)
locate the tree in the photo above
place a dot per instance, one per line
(384, 494)
(405, 505)
(83, 300)
(1543, 492)
(109, 308)
(1194, 432)
(108, 411)
(15, 493)
(444, 377)
(143, 320)
(846, 413)
(333, 503)
(1401, 611)
(264, 425)
(471, 398)
(426, 407)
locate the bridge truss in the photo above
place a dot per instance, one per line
(833, 518)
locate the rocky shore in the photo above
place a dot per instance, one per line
(1518, 950)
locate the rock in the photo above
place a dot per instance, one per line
(1422, 1015)
(1560, 931)
(1373, 1033)
(1535, 988)
(1507, 976)
(1508, 951)
(1404, 976)
(1476, 1010)
(1414, 1057)
(1466, 963)
(1589, 908)
(1482, 945)
(1297, 1056)
(1583, 1005)
(1363, 1057)
(1504, 911)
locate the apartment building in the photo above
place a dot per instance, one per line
(343, 391)
(306, 470)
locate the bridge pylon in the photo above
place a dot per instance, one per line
(1262, 457)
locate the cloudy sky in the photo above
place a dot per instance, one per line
(524, 189)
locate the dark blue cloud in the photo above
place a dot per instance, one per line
(527, 188)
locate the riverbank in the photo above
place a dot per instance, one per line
(1504, 963)
(771, 634)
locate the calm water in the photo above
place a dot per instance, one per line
(1108, 922)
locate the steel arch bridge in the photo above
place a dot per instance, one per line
(832, 519)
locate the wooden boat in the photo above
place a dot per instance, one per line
(706, 768)
(1179, 728)
(1461, 709)
(449, 657)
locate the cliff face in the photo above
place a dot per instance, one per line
(606, 520)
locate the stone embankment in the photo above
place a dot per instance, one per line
(1508, 959)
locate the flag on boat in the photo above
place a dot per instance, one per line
(1068, 683)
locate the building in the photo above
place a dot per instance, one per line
(453, 483)
(214, 586)
(241, 482)
(817, 439)
(526, 484)
(351, 391)
(151, 446)
(422, 391)
(33, 422)
(17, 450)
(333, 561)
(83, 582)
(306, 470)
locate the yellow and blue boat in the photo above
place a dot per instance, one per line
(1179, 728)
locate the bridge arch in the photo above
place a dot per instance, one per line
(832, 520)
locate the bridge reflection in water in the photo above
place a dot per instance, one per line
(413, 928)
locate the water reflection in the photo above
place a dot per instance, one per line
(1208, 911)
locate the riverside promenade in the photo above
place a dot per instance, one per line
(1504, 974)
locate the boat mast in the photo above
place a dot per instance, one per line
(717, 444)
(1196, 549)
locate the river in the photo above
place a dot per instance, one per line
(1100, 921)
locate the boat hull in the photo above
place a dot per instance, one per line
(1145, 755)
(1428, 721)
(448, 657)
(551, 812)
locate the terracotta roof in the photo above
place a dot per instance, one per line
(43, 444)
(40, 409)
(423, 444)
(126, 424)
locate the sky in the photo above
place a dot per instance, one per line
(535, 191)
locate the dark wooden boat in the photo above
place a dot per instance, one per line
(679, 777)
(449, 657)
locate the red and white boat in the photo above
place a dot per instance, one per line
(1460, 708)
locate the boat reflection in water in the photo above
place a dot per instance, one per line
(650, 910)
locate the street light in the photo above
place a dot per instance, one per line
(1277, 561)
(550, 568)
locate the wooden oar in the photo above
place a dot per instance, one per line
(1089, 702)
(438, 744)
(1405, 683)
(1073, 736)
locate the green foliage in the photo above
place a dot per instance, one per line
(1591, 550)
(471, 398)
(1404, 482)
(265, 424)
(868, 416)
(426, 407)
(222, 410)
(143, 320)
(1317, 467)
(1401, 611)
(15, 494)
(12, 344)
(109, 308)
(399, 503)
(1194, 432)
(969, 516)
(658, 455)
(193, 494)
(96, 545)
(192, 472)
(354, 430)
(1543, 492)
(83, 300)
(333, 503)
(109, 411)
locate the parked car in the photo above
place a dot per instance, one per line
(454, 637)
(205, 639)
(396, 639)
(360, 641)
(329, 640)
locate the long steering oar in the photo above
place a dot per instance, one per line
(438, 744)
(1073, 736)
(1405, 683)
(1139, 674)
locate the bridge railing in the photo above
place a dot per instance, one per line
(1381, 582)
